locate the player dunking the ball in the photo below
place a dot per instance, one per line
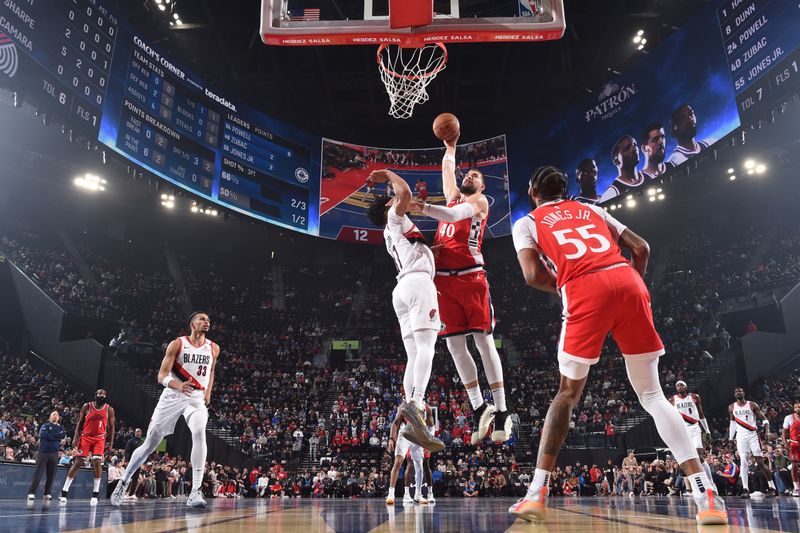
(570, 248)
(414, 300)
(464, 300)
(96, 429)
(187, 374)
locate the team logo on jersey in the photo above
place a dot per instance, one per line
(611, 98)
(432, 314)
(442, 326)
(8, 56)
(301, 174)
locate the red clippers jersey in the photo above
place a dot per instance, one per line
(422, 188)
(572, 238)
(461, 242)
(96, 421)
(792, 423)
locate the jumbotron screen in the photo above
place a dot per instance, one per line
(79, 63)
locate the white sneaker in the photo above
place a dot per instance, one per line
(93, 501)
(62, 499)
(796, 492)
(31, 497)
(118, 496)
(390, 499)
(407, 498)
(195, 499)
(421, 500)
(47, 497)
(710, 509)
(431, 499)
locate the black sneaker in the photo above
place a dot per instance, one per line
(482, 419)
(417, 431)
(771, 493)
(502, 427)
(745, 495)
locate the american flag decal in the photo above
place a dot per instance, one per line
(8, 56)
(304, 14)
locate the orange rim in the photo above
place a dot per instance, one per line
(410, 77)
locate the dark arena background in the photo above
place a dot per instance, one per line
(164, 158)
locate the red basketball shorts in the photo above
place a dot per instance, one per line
(614, 300)
(91, 446)
(794, 452)
(464, 304)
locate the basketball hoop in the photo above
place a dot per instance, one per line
(406, 73)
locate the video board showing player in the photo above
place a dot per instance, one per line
(346, 191)
(670, 106)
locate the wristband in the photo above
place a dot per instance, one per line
(166, 381)
(448, 157)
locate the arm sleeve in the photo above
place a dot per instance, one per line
(704, 423)
(732, 430)
(449, 214)
(524, 234)
(765, 423)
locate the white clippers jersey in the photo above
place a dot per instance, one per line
(745, 419)
(406, 245)
(687, 408)
(193, 363)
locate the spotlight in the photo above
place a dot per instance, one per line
(760, 168)
(613, 207)
(637, 39)
(178, 22)
(644, 41)
(751, 172)
(631, 203)
(652, 198)
(162, 7)
(732, 177)
(640, 33)
(619, 206)
(640, 47)
(176, 16)
(194, 209)
(661, 196)
(749, 164)
(214, 212)
(730, 171)
(651, 192)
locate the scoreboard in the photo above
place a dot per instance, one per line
(59, 55)
(169, 121)
(762, 46)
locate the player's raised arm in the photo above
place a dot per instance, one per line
(165, 377)
(640, 250)
(402, 192)
(449, 185)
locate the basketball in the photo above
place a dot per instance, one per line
(446, 127)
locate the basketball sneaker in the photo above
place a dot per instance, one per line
(390, 499)
(407, 498)
(417, 431)
(745, 495)
(710, 509)
(771, 493)
(31, 497)
(195, 499)
(63, 498)
(93, 501)
(431, 498)
(796, 493)
(532, 507)
(421, 500)
(47, 497)
(482, 419)
(118, 496)
(502, 427)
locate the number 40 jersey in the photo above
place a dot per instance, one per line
(572, 238)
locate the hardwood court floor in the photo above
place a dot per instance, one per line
(586, 515)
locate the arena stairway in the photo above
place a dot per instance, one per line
(324, 415)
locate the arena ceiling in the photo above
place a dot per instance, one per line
(336, 91)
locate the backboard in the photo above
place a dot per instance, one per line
(348, 22)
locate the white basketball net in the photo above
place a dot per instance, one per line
(406, 73)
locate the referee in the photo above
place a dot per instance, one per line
(50, 436)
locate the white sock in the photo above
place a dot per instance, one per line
(96, 484)
(541, 478)
(707, 470)
(67, 484)
(699, 483)
(425, 341)
(771, 484)
(499, 396)
(475, 397)
(391, 492)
